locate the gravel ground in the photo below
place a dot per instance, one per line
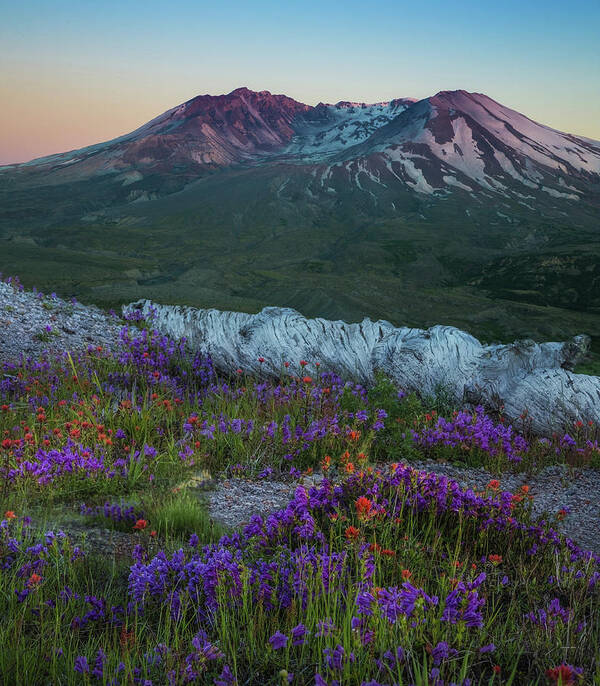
(73, 327)
(102, 541)
(234, 501)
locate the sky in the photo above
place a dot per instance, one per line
(77, 72)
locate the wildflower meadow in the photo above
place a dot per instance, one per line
(378, 574)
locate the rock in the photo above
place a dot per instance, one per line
(520, 376)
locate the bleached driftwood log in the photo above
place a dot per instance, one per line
(521, 376)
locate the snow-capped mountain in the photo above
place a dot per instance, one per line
(467, 141)
(204, 133)
(453, 142)
(328, 129)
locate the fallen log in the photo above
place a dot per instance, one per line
(519, 376)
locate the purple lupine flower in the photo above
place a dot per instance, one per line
(325, 627)
(226, 677)
(81, 665)
(298, 635)
(98, 670)
(364, 602)
(278, 640)
(441, 652)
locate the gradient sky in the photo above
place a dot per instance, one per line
(77, 72)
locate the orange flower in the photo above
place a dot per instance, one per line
(495, 559)
(153, 534)
(34, 580)
(351, 533)
(140, 524)
(496, 669)
(494, 484)
(126, 638)
(307, 379)
(406, 574)
(354, 435)
(326, 463)
(9, 514)
(388, 553)
(562, 513)
(363, 506)
(563, 674)
(349, 467)
(525, 488)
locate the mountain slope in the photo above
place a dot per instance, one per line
(468, 141)
(204, 133)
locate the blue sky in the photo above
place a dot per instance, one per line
(75, 73)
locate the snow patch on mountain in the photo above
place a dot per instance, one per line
(453, 181)
(329, 129)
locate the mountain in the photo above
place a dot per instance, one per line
(452, 141)
(467, 141)
(452, 208)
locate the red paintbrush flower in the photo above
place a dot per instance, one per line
(351, 533)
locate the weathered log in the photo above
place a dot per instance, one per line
(524, 375)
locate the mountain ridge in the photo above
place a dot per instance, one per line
(448, 142)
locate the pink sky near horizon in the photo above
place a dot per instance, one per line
(78, 73)
(78, 119)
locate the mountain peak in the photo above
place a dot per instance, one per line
(244, 90)
(450, 93)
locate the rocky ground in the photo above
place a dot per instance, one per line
(32, 324)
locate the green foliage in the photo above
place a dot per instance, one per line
(45, 336)
(443, 401)
(403, 413)
(179, 515)
(590, 366)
